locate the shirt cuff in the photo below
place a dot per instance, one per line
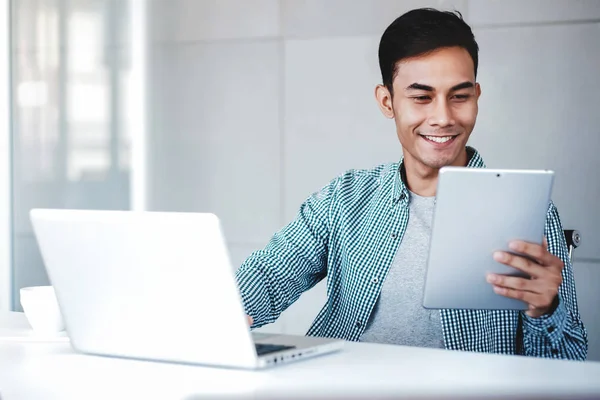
(550, 325)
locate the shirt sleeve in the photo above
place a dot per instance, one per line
(292, 262)
(560, 334)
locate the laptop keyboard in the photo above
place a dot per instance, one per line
(262, 349)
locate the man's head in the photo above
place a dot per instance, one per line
(428, 62)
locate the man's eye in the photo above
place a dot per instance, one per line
(421, 99)
(462, 96)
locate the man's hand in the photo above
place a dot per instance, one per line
(250, 320)
(541, 290)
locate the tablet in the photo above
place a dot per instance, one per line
(477, 212)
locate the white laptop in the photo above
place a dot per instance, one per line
(157, 286)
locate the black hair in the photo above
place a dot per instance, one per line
(419, 32)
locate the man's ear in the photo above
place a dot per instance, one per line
(384, 101)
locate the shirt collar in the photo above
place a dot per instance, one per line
(401, 190)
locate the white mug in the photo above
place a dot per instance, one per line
(41, 309)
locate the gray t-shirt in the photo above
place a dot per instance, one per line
(399, 316)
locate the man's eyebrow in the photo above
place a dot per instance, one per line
(419, 86)
(464, 85)
(427, 88)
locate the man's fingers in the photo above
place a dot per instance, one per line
(534, 300)
(250, 320)
(538, 252)
(517, 283)
(543, 267)
(527, 297)
(521, 263)
(535, 292)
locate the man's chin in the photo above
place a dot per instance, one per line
(437, 163)
(440, 159)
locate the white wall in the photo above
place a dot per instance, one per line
(255, 104)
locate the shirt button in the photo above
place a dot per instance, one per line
(550, 329)
(358, 324)
(394, 235)
(374, 280)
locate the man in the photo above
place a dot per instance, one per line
(367, 231)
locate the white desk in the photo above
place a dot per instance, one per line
(38, 370)
(13, 320)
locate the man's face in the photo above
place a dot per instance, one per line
(434, 106)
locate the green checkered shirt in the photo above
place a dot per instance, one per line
(349, 231)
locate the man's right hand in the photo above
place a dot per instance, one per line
(250, 320)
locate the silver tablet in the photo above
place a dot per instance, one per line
(477, 212)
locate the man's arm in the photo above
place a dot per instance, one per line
(294, 260)
(551, 327)
(561, 333)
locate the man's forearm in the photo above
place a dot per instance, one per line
(256, 297)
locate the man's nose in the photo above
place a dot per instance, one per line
(441, 115)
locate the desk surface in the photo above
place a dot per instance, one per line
(34, 370)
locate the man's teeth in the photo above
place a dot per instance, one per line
(439, 139)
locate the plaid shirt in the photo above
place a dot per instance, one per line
(349, 232)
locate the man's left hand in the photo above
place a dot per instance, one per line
(544, 268)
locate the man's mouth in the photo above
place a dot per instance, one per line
(439, 139)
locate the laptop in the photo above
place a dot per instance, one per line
(156, 286)
(477, 212)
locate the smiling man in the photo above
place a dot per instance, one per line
(367, 231)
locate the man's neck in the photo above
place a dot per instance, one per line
(421, 179)
(423, 184)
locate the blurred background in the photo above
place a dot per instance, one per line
(244, 108)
